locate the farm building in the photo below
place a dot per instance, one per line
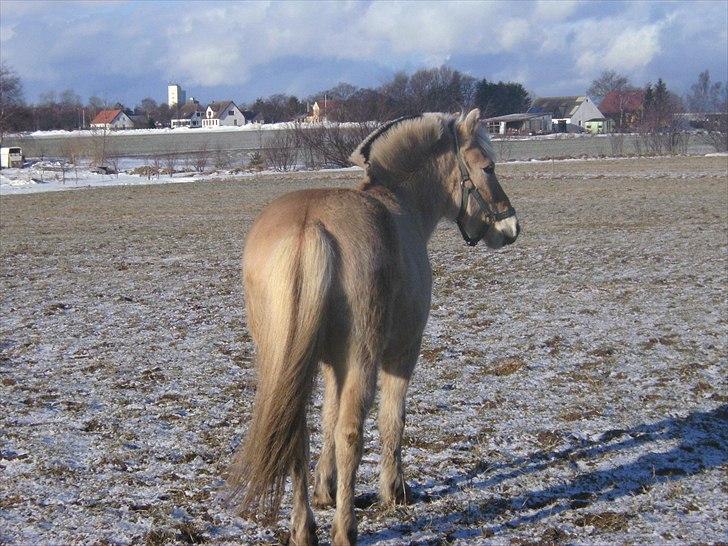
(624, 108)
(189, 115)
(520, 124)
(112, 119)
(567, 113)
(223, 113)
(599, 126)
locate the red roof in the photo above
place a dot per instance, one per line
(105, 116)
(616, 102)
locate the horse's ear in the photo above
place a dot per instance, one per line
(471, 121)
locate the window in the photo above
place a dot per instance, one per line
(231, 113)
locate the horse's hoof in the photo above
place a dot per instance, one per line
(398, 493)
(323, 500)
(306, 538)
(343, 539)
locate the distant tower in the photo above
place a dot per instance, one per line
(175, 95)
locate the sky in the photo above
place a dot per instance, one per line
(127, 50)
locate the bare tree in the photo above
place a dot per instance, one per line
(72, 151)
(281, 152)
(99, 145)
(201, 159)
(11, 96)
(170, 161)
(608, 81)
(331, 146)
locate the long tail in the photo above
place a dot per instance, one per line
(287, 311)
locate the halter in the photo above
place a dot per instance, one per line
(467, 188)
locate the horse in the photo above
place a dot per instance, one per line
(340, 280)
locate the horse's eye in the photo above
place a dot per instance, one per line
(490, 169)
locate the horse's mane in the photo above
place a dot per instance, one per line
(403, 144)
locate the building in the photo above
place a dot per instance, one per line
(175, 95)
(624, 108)
(223, 114)
(326, 111)
(520, 124)
(190, 115)
(567, 113)
(112, 119)
(599, 126)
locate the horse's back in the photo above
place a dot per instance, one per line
(365, 254)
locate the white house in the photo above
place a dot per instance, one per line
(112, 119)
(566, 111)
(190, 115)
(223, 113)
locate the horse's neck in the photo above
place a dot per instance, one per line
(421, 199)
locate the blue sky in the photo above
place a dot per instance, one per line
(128, 50)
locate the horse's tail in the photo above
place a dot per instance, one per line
(285, 311)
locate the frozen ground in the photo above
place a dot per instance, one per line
(572, 387)
(53, 175)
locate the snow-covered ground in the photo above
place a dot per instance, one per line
(571, 388)
(45, 176)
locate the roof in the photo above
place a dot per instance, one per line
(517, 117)
(220, 105)
(189, 108)
(106, 116)
(558, 107)
(616, 102)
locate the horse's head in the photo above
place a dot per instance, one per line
(484, 211)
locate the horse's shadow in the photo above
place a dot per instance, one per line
(702, 444)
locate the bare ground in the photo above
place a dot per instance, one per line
(571, 388)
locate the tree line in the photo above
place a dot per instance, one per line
(441, 89)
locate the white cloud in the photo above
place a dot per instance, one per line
(221, 43)
(633, 48)
(554, 10)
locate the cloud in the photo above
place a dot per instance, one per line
(215, 45)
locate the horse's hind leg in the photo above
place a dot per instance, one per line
(356, 397)
(303, 526)
(324, 489)
(393, 383)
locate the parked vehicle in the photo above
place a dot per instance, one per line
(11, 157)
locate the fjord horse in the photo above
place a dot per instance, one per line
(340, 280)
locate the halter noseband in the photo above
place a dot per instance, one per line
(467, 187)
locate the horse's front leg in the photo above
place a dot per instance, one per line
(356, 397)
(394, 382)
(324, 489)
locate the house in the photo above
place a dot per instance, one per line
(190, 115)
(326, 111)
(566, 112)
(223, 113)
(520, 124)
(624, 107)
(112, 119)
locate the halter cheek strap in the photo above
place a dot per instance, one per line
(468, 188)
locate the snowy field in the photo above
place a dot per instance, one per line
(571, 388)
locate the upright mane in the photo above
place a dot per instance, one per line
(402, 144)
